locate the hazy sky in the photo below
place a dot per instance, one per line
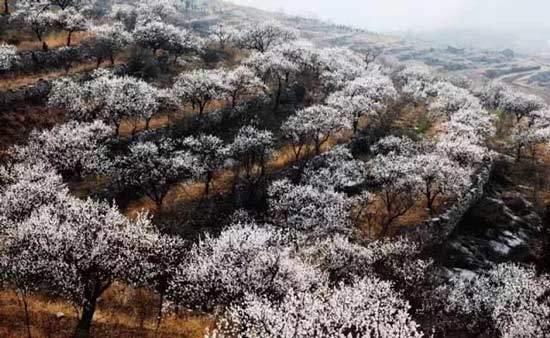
(390, 15)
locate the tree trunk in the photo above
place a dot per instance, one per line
(112, 59)
(355, 125)
(6, 7)
(518, 153)
(278, 96)
(69, 36)
(23, 296)
(158, 202)
(207, 184)
(202, 107)
(99, 61)
(91, 294)
(159, 311)
(317, 148)
(429, 199)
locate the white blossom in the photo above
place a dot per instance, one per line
(367, 308)
(263, 36)
(245, 258)
(307, 211)
(74, 148)
(223, 34)
(200, 87)
(80, 248)
(336, 169)
(252, 147)
(25, 187)
(110, 39)
(512, 299)
(313, 126)
(210, 152)
(8, 56)
(153, 168)
(242, 82)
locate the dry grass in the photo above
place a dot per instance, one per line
(15, 125)
(185, 193)
(371, 228)
(122, 312)
(54, 40)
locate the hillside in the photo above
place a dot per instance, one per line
(201, 169)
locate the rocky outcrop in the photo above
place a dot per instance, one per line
(36, 94)
(502, 227)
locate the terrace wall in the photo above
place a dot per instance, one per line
(436, 230)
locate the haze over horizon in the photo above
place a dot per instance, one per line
(488, 24)
(419, 15)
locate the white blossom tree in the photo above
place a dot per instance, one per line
(161, 265)
(339, 66)
(72, 148)
(275, 69)
(109, 40)
(240, 82)
(72, 21)
(476, 125)
(439, 176)
(245, 258)
(200, 87)
(394, 174)
(36, 16)
(308, 212)
(222, 34)
(508, 301)
(80, 248)
(211, 154)
(336, 170)
(154, 35)
(154, 168)
(182, 41)
(367, 308)
(313, 126)
(449, 98)
(128, 99)
(367, 95)
(402, 145)
(345, 259)
(462, 150)
(532, 134)
(156, 11)
(264, 36)
(110, 98)
(25, 187)
(520, 105)
(252, 147)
